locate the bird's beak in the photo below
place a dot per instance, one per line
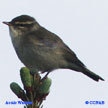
(7, 23)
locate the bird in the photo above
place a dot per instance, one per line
(42, 50)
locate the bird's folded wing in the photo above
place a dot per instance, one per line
(53, 43)
(70, 56)
(44, 38)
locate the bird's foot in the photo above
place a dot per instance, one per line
(42, 72)
(45, 76)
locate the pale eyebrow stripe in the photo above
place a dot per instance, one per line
(28, 22)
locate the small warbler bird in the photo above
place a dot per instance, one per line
(41, 50)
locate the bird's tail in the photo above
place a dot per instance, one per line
(92, 75)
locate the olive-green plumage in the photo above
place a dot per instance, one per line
(42, 50)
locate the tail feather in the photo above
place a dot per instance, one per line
(92, 75)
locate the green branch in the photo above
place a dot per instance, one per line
(35, 88)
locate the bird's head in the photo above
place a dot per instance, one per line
(22, 24)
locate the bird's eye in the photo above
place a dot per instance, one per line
(22, 25)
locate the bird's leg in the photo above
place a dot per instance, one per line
(42, 72)
(45, 76)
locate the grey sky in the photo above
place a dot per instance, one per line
(83, 26)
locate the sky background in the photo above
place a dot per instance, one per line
(83, 26)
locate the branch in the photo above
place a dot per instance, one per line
(35, 91)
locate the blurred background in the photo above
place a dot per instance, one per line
(83, 26)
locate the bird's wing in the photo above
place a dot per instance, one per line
(70, 56)
(47, 39)
(44, 38)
